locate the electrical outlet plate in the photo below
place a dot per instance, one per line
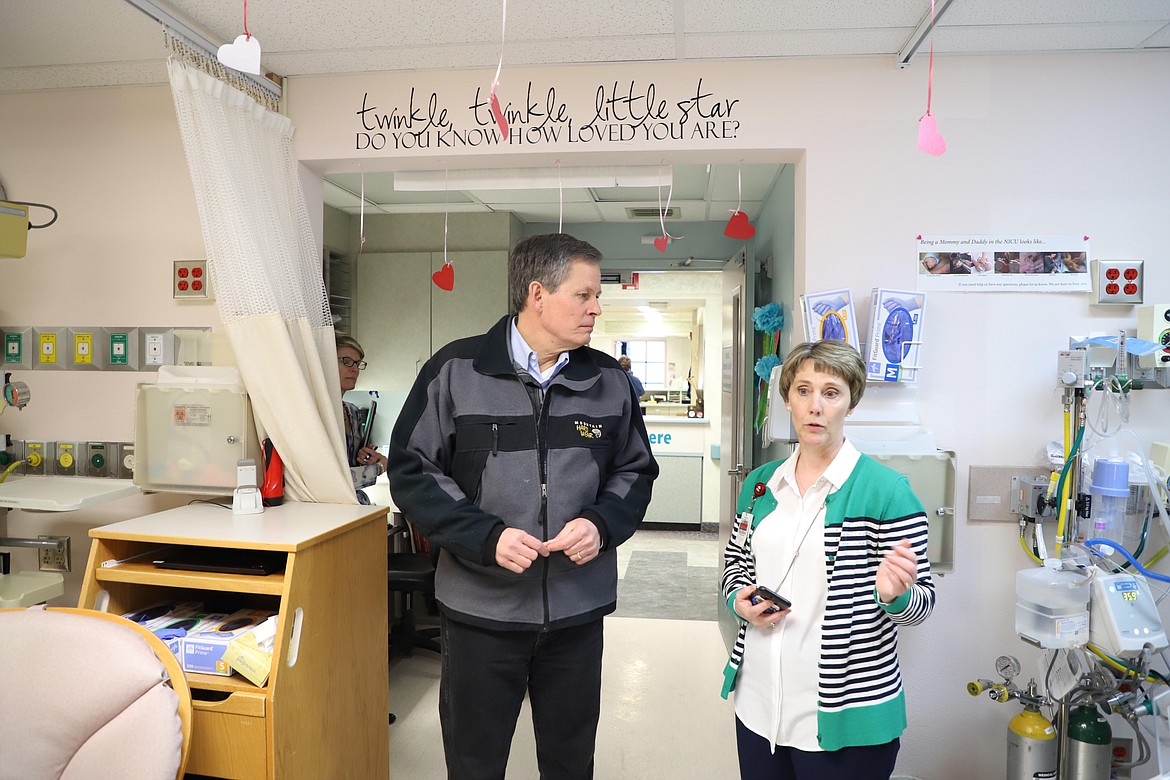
(189, 281)
(55, 560)
(1119, 282)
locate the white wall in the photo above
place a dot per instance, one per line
(1049, 144)
(111, 162)
(1055, 145)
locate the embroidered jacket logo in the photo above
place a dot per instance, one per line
(587, 430)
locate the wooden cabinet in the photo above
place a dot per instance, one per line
(323, 713)
(401, 317)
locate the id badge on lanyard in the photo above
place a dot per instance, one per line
(743, 524)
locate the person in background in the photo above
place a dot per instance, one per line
(522, 455)
(818, 690)
(350, 362)
(636, 383)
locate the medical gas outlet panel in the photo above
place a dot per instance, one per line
(73, 458)
(102, 349)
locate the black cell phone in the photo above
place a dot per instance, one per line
(761, 593)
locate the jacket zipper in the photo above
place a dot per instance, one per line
(541, 419)
(542, 462)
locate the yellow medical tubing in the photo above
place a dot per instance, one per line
(1063, 497)
(1069, 454)
(1024, 545)
(1158, 557)
(10, 469)
(1113, 662)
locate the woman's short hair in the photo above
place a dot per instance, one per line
(832, 357)
(349, 341)
(546, 259)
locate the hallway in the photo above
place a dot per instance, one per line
(662, 716)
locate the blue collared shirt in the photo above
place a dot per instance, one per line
(526, 357)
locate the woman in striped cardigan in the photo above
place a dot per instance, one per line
(818, 690)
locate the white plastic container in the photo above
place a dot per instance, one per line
(1052, 607)
(192, 427)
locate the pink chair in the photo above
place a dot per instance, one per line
(86, 694)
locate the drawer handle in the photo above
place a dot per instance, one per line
(294, 644)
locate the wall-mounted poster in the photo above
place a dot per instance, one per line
(999, 263)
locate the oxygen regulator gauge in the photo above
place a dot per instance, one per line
(1008, 667)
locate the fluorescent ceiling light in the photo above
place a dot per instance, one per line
(651, 314)
(532, 178)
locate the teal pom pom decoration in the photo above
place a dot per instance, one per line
(768, 319)
(765, 365)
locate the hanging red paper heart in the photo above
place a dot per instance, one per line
(739, 227)
(929, 140)
(661, 243)
(444, 278)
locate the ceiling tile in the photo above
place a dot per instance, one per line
(704, 16)
(1044, 37)
(1054, 12)
(816, 43)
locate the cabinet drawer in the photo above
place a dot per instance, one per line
(228, 737)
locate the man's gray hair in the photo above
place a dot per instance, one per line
(546, 259)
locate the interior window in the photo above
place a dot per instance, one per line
(647, 361)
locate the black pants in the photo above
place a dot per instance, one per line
(758, 762)
(485, 677)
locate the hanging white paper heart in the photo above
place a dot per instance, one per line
(243, 55)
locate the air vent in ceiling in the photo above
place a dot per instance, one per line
(653, 213)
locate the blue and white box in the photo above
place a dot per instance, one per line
(203, 647)
(895, 336)
(830, 316)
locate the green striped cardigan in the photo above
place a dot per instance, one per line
(860, 697)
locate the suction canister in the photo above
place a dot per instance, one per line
(1090, 745)
(1110, 491)
(1032, 746)
(272, 489)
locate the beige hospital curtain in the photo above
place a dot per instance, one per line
(266, 276)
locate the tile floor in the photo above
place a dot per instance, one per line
(662, 716)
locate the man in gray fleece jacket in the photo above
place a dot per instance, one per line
(521, 454)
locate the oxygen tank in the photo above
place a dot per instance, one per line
(1032, 746)
(1090, 745)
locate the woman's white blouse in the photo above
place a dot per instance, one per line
(776, 694)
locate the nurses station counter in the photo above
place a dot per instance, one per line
(678, 444)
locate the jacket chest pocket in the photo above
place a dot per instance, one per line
(475, 442)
